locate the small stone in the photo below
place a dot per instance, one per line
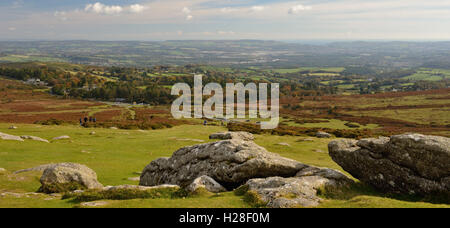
(193, 140)
(139, 188)
(233, 135)
(12, 127)
(61, 137)
(92, 133)
(134, 178)
(10, 137)
(284, 144)
(306, 140)
(322, 134)
(68, 174)
(34, 138)
(13, 194)
(207, 183)
(94, 204)
(40, 168)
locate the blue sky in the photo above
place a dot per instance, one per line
(225, 19)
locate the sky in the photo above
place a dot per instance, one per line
(224, 19)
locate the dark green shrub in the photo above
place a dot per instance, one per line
(50, 122)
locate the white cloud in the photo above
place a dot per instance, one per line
(257, 8)
(370, 19)
(298, 8)
(62, 15)
(103, 9)
(228, 10)
(226, 33)
(136, 8)
(188, 12)
(17, 4)
(12, 29)
(59, 13)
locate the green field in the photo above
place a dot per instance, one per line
(29, 58)
(117, 155)
(425, 74)
(329, 70)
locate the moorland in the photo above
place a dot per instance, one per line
(130, 98)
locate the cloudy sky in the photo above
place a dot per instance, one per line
(225, 19)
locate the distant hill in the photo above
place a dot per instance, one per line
(239, 53)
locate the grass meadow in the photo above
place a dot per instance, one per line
(117, 155)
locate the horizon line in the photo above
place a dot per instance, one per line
(323, 41)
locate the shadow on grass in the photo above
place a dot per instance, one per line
(361, 189)
(124, 194)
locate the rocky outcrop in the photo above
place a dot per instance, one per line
(298, 191)
(233, 135)
(207, 183)
(2, 170)
(230, 162)
(10, 137)
(34, 138)
(237, 161)
(68, 177)
(409, 163)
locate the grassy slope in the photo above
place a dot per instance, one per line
(117, 155)
(421, 116)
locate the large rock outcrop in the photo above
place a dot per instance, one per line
(235, 161)
(409, 163)
(299, 191)
(68, 177)
(229, 162)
